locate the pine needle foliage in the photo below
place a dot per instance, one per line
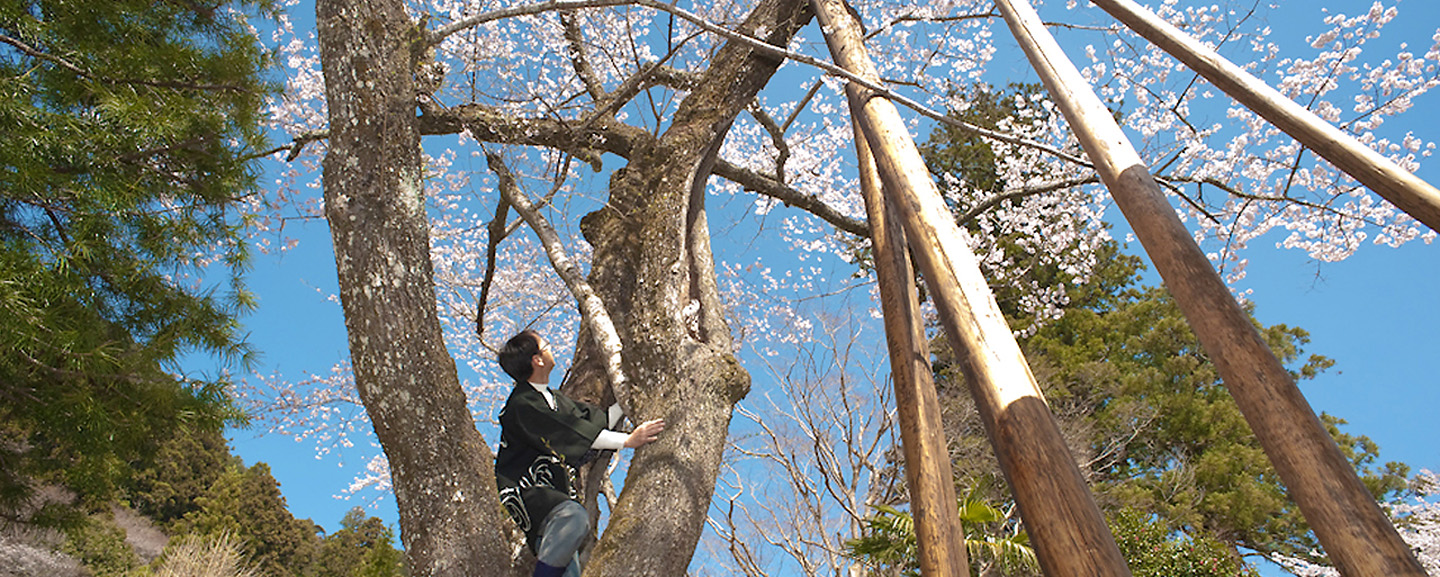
(129, 131)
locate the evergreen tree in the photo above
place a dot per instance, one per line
(128, 130)
(183, 467)
(246, 504)
(363, 547)
(1170, 456)
(1148, 419)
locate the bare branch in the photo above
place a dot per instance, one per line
(497, 233)
(1041, 188)
(296, 146)
(777, 137)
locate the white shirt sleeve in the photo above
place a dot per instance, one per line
(609, 440)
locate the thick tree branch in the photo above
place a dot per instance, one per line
(584, 141)
(576, 51)
(591, 307)
(497, 233)
(777, 190)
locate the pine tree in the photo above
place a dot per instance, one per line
(128, 132)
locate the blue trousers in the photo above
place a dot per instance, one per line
(560, 536)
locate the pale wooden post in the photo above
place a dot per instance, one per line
(1406, 191)
(938, 530)
(1348, 522)
(1068, 532)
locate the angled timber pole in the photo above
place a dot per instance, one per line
(1356, 535)
(1068, 532)
(938, 530)
(1399, 186)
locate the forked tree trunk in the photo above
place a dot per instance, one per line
(450, 518)
(653, 268)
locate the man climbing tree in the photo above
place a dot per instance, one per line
(544, 436)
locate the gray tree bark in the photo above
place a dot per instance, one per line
(652, 267)
(450, 517)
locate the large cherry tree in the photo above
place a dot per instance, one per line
(423, 111)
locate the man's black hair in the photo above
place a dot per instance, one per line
(516, 354)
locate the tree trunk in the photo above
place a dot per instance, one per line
(450, 518)
(653, 268)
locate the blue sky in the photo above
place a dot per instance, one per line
(1375, 314)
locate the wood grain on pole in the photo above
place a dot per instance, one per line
(1356, 535)
(1065, 526)
(1402, 188)
(938, 530)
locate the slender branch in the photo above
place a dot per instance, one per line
(1041, 188)
(649, 75)
(437, 36)
(1282, 199)
(591, 307)
(295, 146)
(777, 137)
(800, 106)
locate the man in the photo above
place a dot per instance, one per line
(544, 436)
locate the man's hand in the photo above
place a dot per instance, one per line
(645, 433)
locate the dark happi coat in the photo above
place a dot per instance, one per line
(539, 451)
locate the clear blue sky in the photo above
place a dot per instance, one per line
(1376, 314)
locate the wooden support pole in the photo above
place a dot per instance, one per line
(1399, 186)
(1066, 527)
(1356, 535)
(938, 531)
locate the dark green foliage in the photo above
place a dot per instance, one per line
(1151, 550)
(183, 467)
(127, 129)
(246, 504)
(969, 159)
(363, 547)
